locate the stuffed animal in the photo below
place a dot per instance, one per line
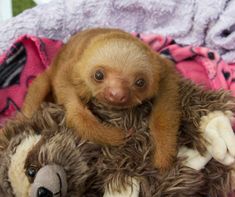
(42, 157)
(60, 165)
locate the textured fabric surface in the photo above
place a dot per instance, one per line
(24, 60)
(208, 22)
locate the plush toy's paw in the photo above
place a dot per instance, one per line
(193, 158)
(129, 191)
(217, 130)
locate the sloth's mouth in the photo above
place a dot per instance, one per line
(59, 193)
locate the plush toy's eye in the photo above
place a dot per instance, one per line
(140, 83)
(99, 75)
(31, 171)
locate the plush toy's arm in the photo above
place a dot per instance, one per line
(217, 130)
(193, 158)
(206, 124)
(196, 102)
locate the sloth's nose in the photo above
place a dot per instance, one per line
(117, 95)
(44, 192)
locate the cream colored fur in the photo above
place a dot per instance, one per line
(194, 159)
(217, 130)
(129, 191)
(16, 173)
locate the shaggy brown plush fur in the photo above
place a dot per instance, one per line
(134, 157)
(89, 166)
(61, 146)
(195, 103)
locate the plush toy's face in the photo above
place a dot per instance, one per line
(45, 180)
(38, 157)
(50, 181)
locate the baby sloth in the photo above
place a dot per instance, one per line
(118, 71)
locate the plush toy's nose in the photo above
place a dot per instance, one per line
(43, 192)
(50, 181)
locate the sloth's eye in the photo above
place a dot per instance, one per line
(140, 83)
(31, 171)
(99, 75)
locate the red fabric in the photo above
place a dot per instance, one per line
(39, 54)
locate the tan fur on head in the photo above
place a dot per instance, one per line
(130, 61)
(121, 54)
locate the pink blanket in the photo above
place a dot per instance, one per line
(27, 57)
(30, 55)
(199, 64)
